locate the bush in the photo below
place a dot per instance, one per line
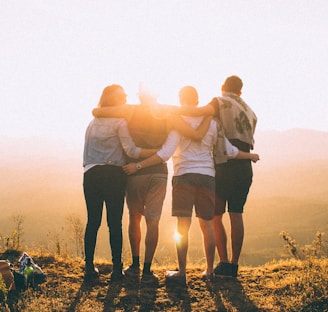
(3, 290)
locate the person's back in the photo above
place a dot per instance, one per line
(195, 156)
(234, 177)
(146, 190)
(145, 129)
(147, 132)
(237, 118)
(193, 188)
(104, 180)
(102, 142)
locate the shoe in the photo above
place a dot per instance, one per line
(132, 271)
(91, 274)
(174, 277)
(117, 276)
(224, 269)
(208, 277)
(234, 270)
(149, 278)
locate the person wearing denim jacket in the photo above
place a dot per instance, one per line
(107, 145)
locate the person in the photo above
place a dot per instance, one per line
(193, 183)
(233, 178)
(106, 142)
(146, 189)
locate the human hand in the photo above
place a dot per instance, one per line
(255, 157)
(130, 168)
(95, 112)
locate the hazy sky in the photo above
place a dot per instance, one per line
(57, 56)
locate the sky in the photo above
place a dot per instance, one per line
(57, 56)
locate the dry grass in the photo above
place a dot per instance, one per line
(289, 285)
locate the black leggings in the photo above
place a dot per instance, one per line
(101, 184)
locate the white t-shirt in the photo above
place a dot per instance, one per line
(190, 156)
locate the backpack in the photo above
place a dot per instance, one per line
(7, 275)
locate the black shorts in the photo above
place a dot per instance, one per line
(232, 182)
(192, 189)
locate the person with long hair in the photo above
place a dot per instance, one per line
(107, 142)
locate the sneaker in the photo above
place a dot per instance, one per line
(91, 274)
(223, 269)
(149, 278)
(234, 270)
(175, 277)
(132, 271)
(207, 277)
(116, 276)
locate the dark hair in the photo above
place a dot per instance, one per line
(233, 84)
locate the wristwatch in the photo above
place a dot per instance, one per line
(138, 166)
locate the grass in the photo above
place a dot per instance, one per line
(286, 285)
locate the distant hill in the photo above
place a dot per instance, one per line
(42, 179)
(290, 146)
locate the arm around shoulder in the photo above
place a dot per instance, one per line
(122, 111)
(207, 110)
(180, 125)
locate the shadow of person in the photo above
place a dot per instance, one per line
(179, 295)
(112, 299)
(12, 300)
(229, 295)
(85, 288)
(147, 297)
(130, 297)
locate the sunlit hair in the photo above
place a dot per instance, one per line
(233, 84)
(188, 95)
(111, 96)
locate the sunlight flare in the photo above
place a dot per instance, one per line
(177, 237)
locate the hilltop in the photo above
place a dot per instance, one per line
(42, 181)
(289, 285)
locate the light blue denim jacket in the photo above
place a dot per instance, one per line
(108, 141)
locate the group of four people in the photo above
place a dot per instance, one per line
(126, 150)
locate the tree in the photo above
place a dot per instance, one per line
(77, 229)
(18, 230)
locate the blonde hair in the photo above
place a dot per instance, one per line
(109, 96)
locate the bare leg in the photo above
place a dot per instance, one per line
(135, 234)
(207, 228)
(220, 238)
(151, 239)
(237, 235)
(182, 245)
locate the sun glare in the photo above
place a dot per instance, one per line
(177, 236)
